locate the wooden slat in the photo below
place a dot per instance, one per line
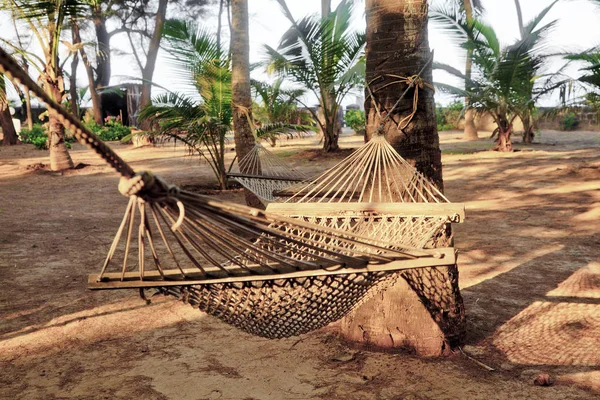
(442, 257)
(454, 211)
(273, 178)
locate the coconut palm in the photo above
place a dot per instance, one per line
(278, 114)
(46, 19)
(591, 69)
(201, 117)
(508, 80)
(325, 56)
(461, 13)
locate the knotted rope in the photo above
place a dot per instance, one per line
(418, 83)
(414, 80)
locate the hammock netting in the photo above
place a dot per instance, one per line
(264, 173)
(270, 274)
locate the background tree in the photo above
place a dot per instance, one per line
(278, 113)
(325, 56)
(8, 129)
(461, 13)
(202, 123)
(46, 20)
(402, 25)
(509, 80)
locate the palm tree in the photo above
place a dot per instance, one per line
(46, 19)
(325, 56)
(409, 125)
(461, 13)
(278, 113)
(203, 118)
(240, 84)
(509, 80)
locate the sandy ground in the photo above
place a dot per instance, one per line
(530, 276)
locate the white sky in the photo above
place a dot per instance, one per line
(577, 29)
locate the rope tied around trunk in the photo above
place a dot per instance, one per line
(418, 83)
(414, 80)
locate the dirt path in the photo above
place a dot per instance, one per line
(530, 275)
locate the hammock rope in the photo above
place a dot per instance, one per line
(265, 173)
(266, 273)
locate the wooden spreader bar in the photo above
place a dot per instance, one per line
(266, 177)
(131, 280)
(454, 211)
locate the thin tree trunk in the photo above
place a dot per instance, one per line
(94, 95)
(8, 129)
(103, 56)
(148, 71)
(325, 8)
(240, 84)
(219, 23)
(423, 311)
(470, 132)
(73, 77)
(333, 127)
(29, 113)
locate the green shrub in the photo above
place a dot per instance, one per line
(447, 118)
(569, 122)
(112, 129)
(355, 119)
(36, 136)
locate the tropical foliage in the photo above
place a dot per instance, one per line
(277, 113)
(201, 117)
(325, 56)
(507, 81)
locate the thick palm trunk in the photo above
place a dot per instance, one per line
(59, 155)
(240, 84)
(423, 311)
(8, 129)
(148, 71)
(504, 133)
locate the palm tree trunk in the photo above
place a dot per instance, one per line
(92, 84)
(423, 311)
(470, 132)
(60, 158)
(240, 83)
(148, 71)
(8, 129)
(28, 105)
(73, 76)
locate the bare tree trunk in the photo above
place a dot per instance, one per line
(422, 311)
(73, 76)
(29, 113)
(240, 83)
(333, 127)
(8, 129)
(470, 132)
(94, 95)
(325, 8)
(103, 56)
(153, 48)
(219, 23)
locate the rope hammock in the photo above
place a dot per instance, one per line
(264, 173)
(271, 275)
